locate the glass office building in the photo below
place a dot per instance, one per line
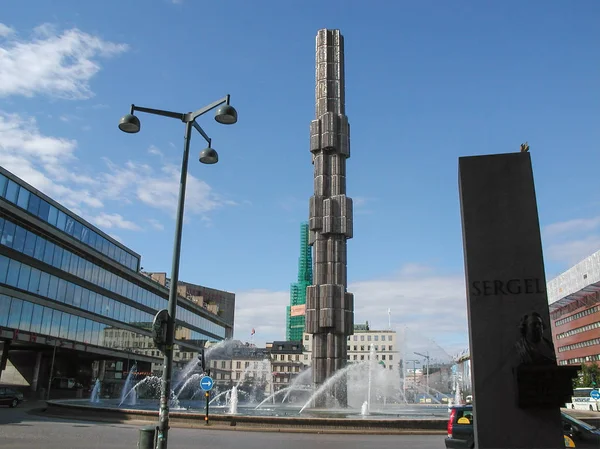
(62, 278)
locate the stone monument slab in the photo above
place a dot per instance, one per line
(509, 323)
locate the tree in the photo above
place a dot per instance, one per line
(589, 376)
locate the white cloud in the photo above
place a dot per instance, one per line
(574, 251)
(573, 226)
(571, 241)
(110, 221)
(159, 188)
(51, 63)
(157, 225)
(155, 151)
(431, 306)
(42, 161)
(360, 204)
(50, 165)
(5, 30)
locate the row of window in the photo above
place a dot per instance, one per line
(578, 330)
(30, 317)
(33, 245)
(40, 208)
(577, 315)
(581, 344)
(368, 357)
(366, 348)
(580, 360)
(25, 277)
(369, 337)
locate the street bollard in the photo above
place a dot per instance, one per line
(147, 437)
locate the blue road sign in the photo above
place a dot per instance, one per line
(206, 383)
(595, 394)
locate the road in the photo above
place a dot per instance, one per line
(22, 430)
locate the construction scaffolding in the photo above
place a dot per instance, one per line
(295, 313)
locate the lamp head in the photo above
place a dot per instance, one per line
(226, 114)
(209, 156)
(129, 123)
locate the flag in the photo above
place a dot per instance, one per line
(253, 331)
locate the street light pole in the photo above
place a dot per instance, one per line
(426, 358)
(129, 123)
(414, 362)
(51, 371)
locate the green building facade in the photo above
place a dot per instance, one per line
(295, 323)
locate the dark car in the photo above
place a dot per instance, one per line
(10, 397)
(461, 433)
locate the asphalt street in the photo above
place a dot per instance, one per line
(22, 430)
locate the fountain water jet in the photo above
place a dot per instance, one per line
(370, 379)
(364, 410)
(298, 380)
(233, 401)
(127, 387)
(95, 397)
(189, 380)
(329, 382)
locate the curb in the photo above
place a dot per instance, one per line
(187, 424)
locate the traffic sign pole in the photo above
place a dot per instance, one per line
(207, 394)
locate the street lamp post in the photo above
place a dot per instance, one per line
(426, 356)
(227, 115)
(414, 362)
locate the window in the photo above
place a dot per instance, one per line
(34, 204)
(4, 308)
(3, 182)
(14, 315)
(23, 198)
(12, 191)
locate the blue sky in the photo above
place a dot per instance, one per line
(426, 82)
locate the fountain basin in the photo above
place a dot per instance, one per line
(320, 420)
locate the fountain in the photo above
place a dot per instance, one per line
(374, 393)
(95, 397)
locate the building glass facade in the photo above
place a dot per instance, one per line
(26, 199)
(61, 277)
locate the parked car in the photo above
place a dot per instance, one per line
(461, 435)
(10, 397)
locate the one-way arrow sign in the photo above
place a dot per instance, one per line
(206, 383)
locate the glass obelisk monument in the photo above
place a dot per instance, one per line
(329, 307)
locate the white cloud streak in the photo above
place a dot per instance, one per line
(569, 242)
(5, 30)
(58, 65)
(110, 221)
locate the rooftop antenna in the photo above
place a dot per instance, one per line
(389, 319)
